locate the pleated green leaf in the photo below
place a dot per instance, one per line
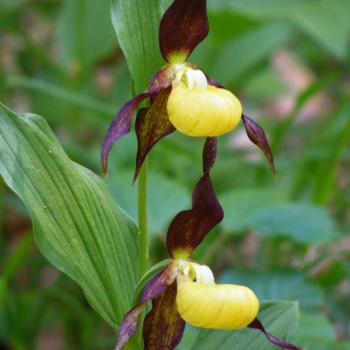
(136, 24)
(77, 225)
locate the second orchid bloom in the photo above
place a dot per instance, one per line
(185, 291)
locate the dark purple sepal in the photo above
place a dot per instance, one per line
(257, 135)
(189, 227)
(152, 124)
(163, 326)
(183, 26)
(119, 127)
(154, 288)
(256, 324)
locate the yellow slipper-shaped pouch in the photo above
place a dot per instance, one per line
(199, 111)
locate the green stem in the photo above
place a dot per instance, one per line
(143, 227)
(142, 219)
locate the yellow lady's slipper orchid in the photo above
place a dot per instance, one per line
(181, 96)
(186, 292)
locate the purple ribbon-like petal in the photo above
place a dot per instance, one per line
(162, 79)
(128, 326)
(160, 85)
(159, 283)
(257, 135)
(209, 154)
(153, 290)
(215, 83)
(189, 227)
(256, 324)
(120, 126)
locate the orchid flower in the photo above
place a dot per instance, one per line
(184, 291)
(181, 96)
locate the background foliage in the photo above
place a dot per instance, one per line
(286, 237)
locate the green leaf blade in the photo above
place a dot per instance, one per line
(77, 225)
(136, 24)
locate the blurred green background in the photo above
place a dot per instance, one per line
(285, 237)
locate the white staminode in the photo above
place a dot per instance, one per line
(193, 78)
(179, 70)
(203, 274)
(199, 273)
(196, 78)
(190, 79)
(200, 79)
